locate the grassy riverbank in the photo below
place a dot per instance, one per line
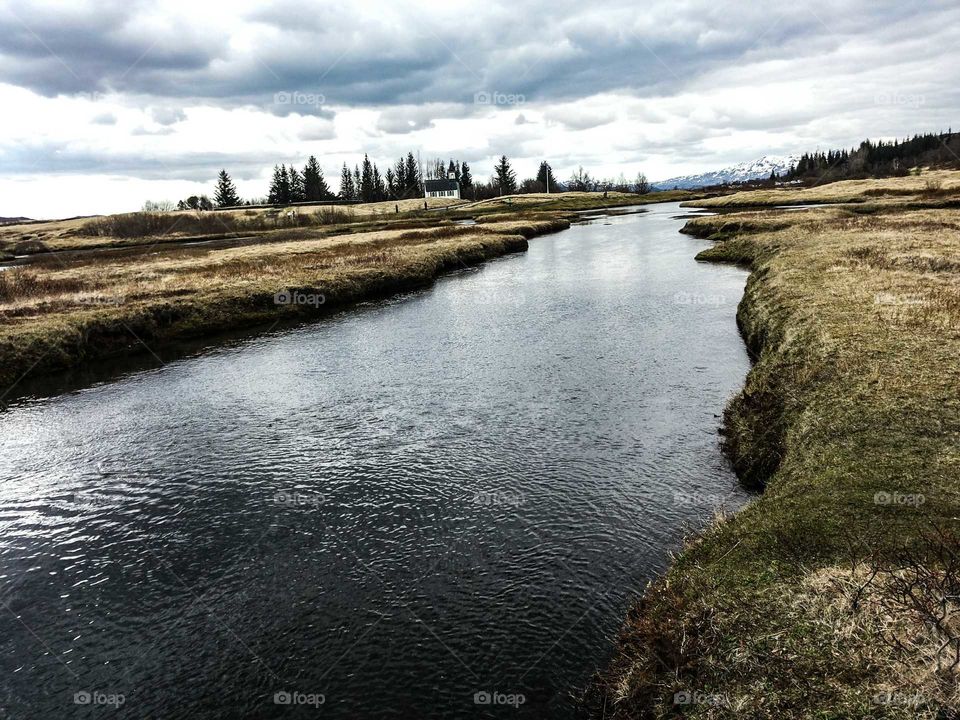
(152, 288)
(62, 314)
(156, 229)
(835, 593)
(929, 187)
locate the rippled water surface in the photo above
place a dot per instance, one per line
(391, 510)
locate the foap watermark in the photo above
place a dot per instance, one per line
(899, 99)
(686, 298)
(297, 297)
(884, 497)
(891, 299)
(89, 96)
(292, 697)
(300, 99)
(697, 697)
(686, 499)
(491, 498)
(494, 697)
(96, 697)
(899, 699)
(298, 499)
(486, 97)
(102, 300)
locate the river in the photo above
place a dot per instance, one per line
(405, 510)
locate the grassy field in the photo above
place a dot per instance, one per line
(153, 229)
(60, 314)
(150, 289)
(836, 593)
(928, 186)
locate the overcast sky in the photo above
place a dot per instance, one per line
(108, 104)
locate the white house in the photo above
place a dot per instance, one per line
(448, 188)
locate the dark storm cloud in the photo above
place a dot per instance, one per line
(545, 51)
(420, 64)
(76, 49)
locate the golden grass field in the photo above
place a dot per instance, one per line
(67, 234)
(928, 185)
(62, 313)
(836, 593)
(129, 282)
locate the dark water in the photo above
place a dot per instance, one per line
(452, 493)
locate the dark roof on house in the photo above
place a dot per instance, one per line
(438, 185)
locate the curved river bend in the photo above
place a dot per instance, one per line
(390, 511)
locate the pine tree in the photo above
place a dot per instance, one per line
(367, 188)
(545, 178)
(314, 185)
(379, 189)
(276, 185)
(284, 185)
(413, 188)
(356, 183)
(391, 187)
(400, 179)
(466, 181)
(226, 194)
(295, 182)
(506, 177)
(346, 184)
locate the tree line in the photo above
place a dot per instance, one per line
(880, 158)
(404, 179)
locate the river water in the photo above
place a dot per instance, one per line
(405, 510)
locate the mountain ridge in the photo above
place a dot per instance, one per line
(759, 169)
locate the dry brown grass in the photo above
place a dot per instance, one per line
(929, 184)
(855, 321)
(57, 314)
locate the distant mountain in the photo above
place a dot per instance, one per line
(13, 220)
(756, 170)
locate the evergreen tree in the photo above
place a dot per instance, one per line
(400, 179)
(506, 178)
(466, 181)
(367, 186)
(379, 188)
(314, 185)
(413, 186)
(295, 182)
(545, 178)
(356, 183)
(347, 191)
(391, 187)
(284, 185)
(277, 184)
(226, 194)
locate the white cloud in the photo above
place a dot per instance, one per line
(123, 101)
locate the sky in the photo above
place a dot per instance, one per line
(105, 105)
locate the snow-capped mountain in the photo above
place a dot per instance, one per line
(756, 170)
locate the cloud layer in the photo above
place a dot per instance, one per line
(170, 91)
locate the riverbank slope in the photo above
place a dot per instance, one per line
(64, 314)
(835, 593)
